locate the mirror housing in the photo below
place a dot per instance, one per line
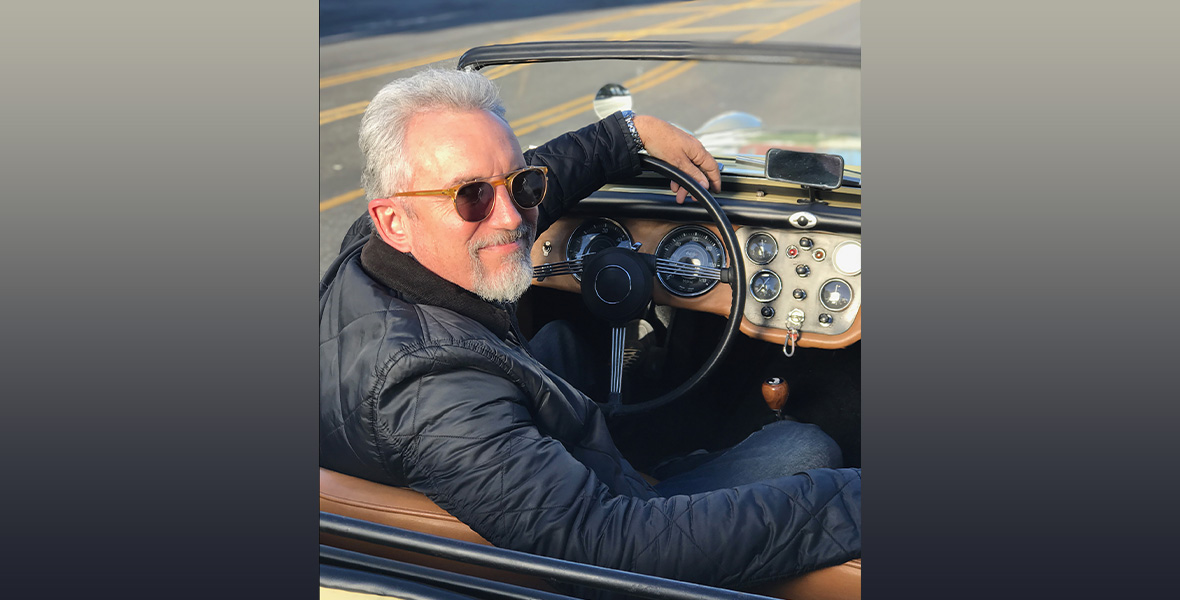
(610, 99)
(808, 169)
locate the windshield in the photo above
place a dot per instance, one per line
(733, 108)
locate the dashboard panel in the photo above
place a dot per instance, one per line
(817, 273)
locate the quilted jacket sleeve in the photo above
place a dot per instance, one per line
(466, 439)
(582, 161)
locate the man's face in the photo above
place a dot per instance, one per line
(492, 257)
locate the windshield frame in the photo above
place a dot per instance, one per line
(535, 52)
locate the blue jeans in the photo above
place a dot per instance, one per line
(779, 449)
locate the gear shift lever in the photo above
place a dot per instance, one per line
(774, 393)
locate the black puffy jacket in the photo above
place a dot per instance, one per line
(423, 384)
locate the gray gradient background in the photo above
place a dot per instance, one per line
(158, 237)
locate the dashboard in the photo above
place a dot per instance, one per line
(801, 278)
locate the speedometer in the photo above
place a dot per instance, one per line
(594, 236)
(692, 245)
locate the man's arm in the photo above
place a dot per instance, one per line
(582, 161)
(468, 440)
(605, 152)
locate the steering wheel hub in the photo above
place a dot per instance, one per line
(620, 285)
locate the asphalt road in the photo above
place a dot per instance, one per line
(365, 44)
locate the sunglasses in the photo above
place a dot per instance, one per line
(474, 199)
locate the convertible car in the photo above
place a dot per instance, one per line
(709, 318)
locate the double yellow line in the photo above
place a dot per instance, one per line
(551, 33)
(356, 108)
(642, 82)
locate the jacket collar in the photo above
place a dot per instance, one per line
(417, 284)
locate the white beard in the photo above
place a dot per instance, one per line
(511, 281)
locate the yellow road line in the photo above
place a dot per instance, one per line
(794, 3)
(660, 74)
(708, 12)
(344, 198)
(644, 81)
(343, 112)
(352, 76)
(499, 71)
(679, 70)
(704, 14)
(795, 21)
(584, 103)
(630, 34)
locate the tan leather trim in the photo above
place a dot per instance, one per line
(841, 582)
(716, 301)
(405, 508)
(807, 339)
(327, 593)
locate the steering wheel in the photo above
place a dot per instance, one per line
(617, 287)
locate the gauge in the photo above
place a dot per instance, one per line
(835, 294)
(765, 286)
(691, 245)
(761, 248)
(594, 236)
(848, 258)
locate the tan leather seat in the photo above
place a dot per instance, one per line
(401, 507)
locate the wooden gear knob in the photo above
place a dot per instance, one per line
(775, 392)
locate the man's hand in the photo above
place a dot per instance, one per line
(668, 142)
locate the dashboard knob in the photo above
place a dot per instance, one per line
(806, 243)
(768, 312)
(825, 319)
(799, 294)
(803, 270)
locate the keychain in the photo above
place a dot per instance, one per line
(792, 337)
(794, 323)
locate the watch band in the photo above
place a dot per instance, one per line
(629, 117)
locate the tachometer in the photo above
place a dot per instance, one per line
(692, 245)
(593, 236)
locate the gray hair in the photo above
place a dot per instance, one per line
(383, 128)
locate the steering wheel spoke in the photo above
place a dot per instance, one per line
(669, 267)
(618, 339)
(617, 284)
(563, 267)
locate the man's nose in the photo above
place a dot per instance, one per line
(505, 214)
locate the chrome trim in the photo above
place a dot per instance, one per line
(713, 284)
(617, 339)
(773, 255)
(776, 294)
(823, 301)
(587, 222)
(563, 267)
(604, 269)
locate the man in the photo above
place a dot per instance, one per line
(427, 382)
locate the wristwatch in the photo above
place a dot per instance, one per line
(629, 117)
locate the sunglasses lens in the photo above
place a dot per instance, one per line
(474, 201)
(528, 188)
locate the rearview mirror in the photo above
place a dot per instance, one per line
(611, 98)
(811, 169)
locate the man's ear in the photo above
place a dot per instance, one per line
(391, 223)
